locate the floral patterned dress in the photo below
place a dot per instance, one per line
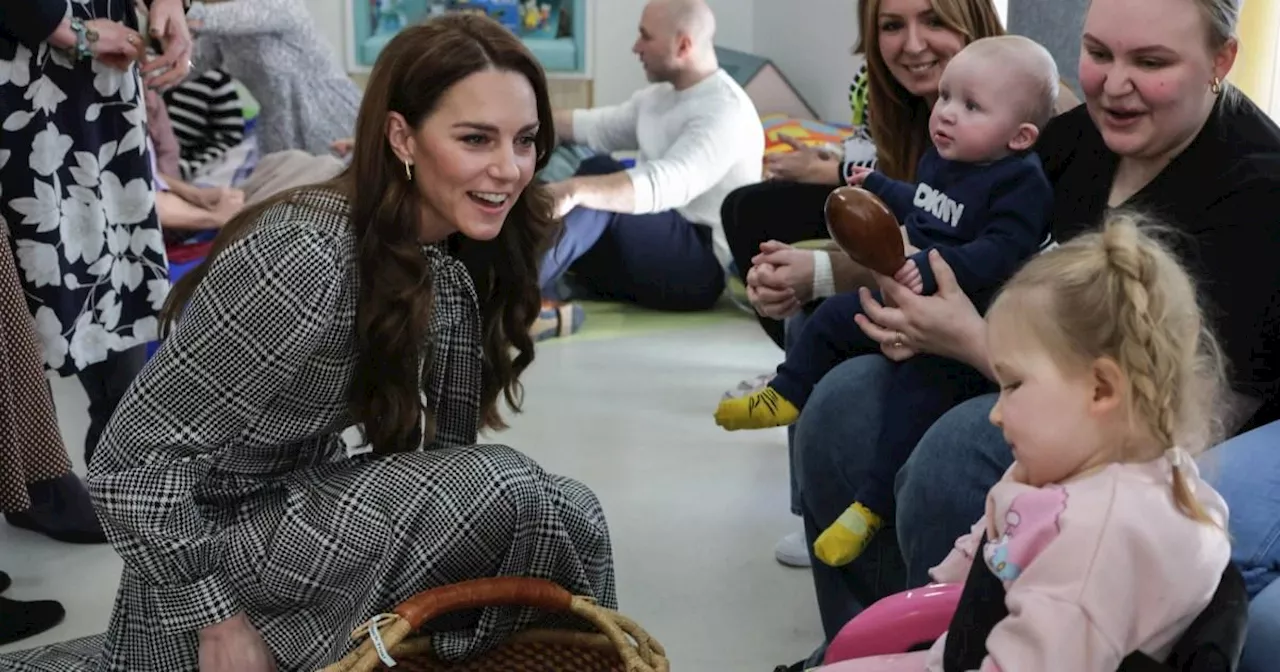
(76, 191)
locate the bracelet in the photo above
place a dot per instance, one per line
(85, 37)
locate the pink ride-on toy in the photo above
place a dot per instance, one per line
(913, 620)
(907, 621)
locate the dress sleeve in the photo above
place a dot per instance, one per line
(34, 22)
(252, 322)
(249, 17)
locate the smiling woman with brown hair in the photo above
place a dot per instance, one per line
(397, 297)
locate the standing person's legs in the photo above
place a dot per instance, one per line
(942, 489)
(105, 384)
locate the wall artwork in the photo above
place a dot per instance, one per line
(554, 30)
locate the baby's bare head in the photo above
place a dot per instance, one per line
(1024, 71)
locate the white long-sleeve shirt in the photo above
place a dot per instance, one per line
(695, 146)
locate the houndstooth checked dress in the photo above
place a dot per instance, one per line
(222, 480)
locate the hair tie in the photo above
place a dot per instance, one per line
(1176, 457)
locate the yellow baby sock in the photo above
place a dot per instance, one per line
(847, 538)
(760, 409)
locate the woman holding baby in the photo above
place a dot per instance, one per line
(1161, 131)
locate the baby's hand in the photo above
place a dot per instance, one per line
(857, 175)
(909, 275)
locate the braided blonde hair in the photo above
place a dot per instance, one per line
(1121, 294)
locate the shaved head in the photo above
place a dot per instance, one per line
(688, 17)
(677, 41)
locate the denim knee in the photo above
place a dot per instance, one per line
(1262, 645)
(942, 489)
(835, 435)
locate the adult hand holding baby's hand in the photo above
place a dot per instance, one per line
(945, 323)
(909, 276)
(780, 280)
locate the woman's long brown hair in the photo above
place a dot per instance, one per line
(413, 72)
(900, 119)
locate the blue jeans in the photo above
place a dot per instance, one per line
(658, 260)
(833, 450)
(1246, 471)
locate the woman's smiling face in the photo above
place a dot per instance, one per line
(915, 44)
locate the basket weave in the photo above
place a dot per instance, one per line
(620, 645)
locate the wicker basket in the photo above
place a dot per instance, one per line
(620, 645)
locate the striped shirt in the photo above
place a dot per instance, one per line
(208, 119)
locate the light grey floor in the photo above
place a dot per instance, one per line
(694, 510)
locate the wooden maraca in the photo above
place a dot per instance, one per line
(864, 227)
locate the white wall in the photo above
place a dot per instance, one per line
(809, 40)
(618, 73)
(329, 16)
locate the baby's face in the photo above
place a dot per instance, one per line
(979, 111)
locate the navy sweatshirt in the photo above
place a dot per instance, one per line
(985, 219)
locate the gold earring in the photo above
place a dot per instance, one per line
(1216, 86)
(408, 170)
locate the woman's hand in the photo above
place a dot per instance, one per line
(803, 164)
(168, 23)
(234, 645)
(780, 280)
(945, 324)
(343, 147)
(117, 45)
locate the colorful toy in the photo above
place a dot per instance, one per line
(897, 624)
(534, 17)
(506, 12)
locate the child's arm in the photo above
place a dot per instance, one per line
(955, 567)
(1017, 225)
(899, 196)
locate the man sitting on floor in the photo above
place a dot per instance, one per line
(652, 234)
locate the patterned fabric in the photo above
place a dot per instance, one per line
(31, 447)
(208, 119)
(222, 479)
(274, 49)
(76, 189)
(859, 148)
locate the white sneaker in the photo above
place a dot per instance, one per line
(748, 386)
(792, 550)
